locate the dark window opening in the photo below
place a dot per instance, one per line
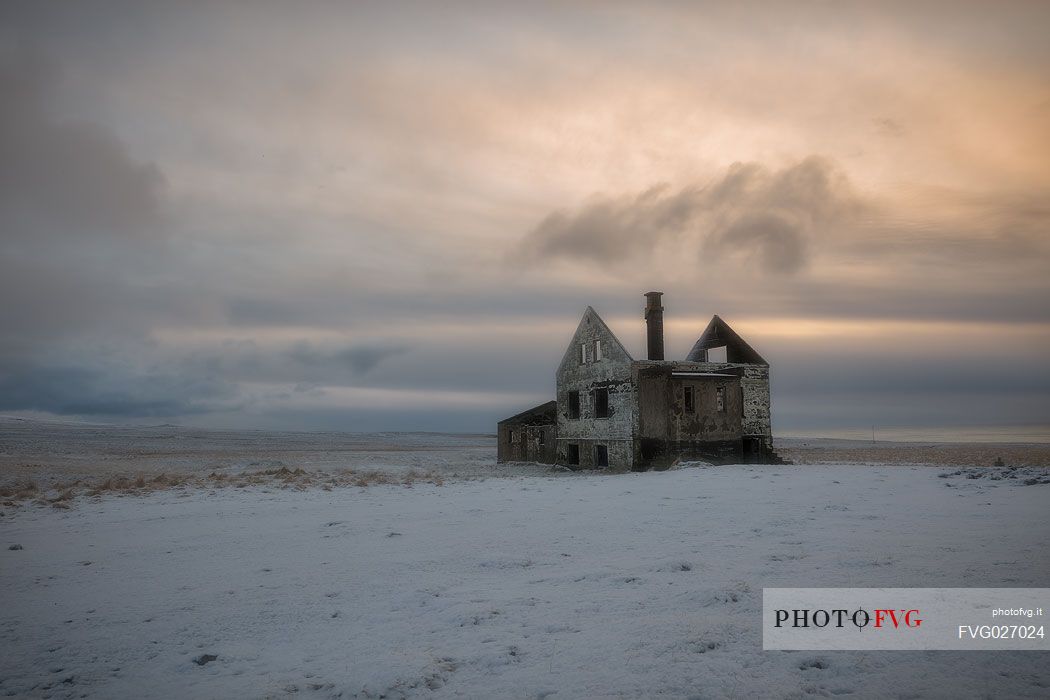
(540, 438)
(720, 398)
(601, 403)
(601, 456)
(510, 436)
(574, 404)
(690, 399)
(572, 453)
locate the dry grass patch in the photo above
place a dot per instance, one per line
(63, 494)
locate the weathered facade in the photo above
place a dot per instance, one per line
(529, 436)
(617, 412)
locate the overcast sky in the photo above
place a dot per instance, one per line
(391, 216)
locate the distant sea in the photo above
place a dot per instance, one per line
(989, 433)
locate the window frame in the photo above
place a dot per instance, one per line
(572, 453)
(575, 410)
(604, 391)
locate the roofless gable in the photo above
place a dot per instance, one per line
(719, 334)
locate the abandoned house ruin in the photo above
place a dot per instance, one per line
(617, 412)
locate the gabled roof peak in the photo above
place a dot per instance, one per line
(718, 334)
(590, 323)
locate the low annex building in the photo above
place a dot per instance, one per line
(617, 412)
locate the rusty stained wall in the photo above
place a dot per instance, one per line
(667, 432)
(584, 375)
(654, 397)
(754, 385)
(661, 406)
(706, 423)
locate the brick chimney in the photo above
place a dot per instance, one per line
(654, 325)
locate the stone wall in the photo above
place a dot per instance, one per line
(586, 369)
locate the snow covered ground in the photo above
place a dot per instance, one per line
(51, 453)
(46, 451)
(634, 585)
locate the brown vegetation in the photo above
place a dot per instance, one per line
(940, 454)
(61, 494)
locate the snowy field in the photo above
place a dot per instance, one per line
(50, 452)
(578, 586)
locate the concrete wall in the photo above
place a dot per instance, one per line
(667, 432)
(706, 422)
(754, 385)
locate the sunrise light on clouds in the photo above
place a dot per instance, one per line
(391, 216)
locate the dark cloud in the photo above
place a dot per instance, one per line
(304, 364)
(614, 229)
(115, 392)
(80, 219)
(453, 419)
(359, 359)
(773, 216)
(884, 126)
(825, 372)
(81, 248)
(267, 311)
(815, 413)
(65, 178)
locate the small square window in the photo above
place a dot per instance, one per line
(689, 396)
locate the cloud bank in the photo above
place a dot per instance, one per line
(392, 216)
(772, 217)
